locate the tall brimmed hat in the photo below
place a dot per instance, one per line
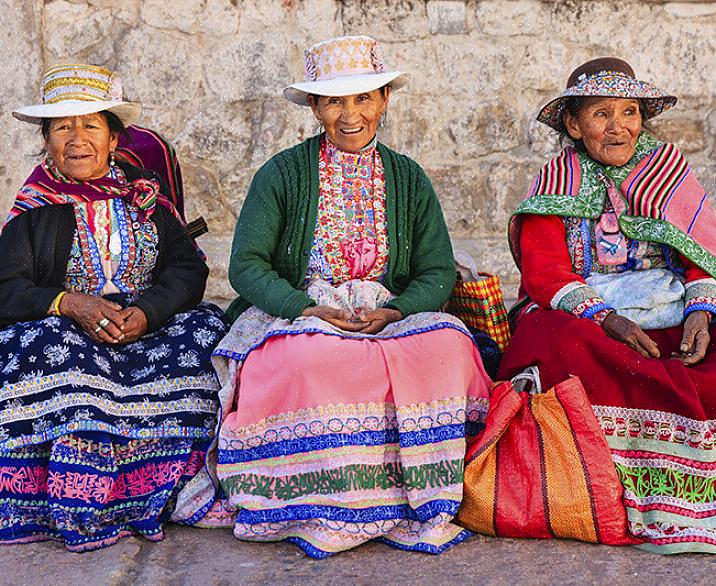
(606, 77)
(342, 67)
(75, 90)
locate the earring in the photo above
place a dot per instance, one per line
(383, 119)
(111, 158)
(318, 127)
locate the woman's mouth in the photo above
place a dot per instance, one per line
(354, 130)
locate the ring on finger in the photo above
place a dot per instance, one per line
(97, 329)
(103, 323)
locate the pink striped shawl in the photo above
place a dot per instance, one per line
(665, 202)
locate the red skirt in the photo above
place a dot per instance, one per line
(659, 418)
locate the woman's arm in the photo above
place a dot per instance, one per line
(21, 298)
(256, 240)
(547, 275)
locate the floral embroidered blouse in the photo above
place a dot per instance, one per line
(351, 236)
(113, 249)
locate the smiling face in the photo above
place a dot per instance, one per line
(608, 127)
(80, 145)
(351, 121)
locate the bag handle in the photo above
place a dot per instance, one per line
(528, 378)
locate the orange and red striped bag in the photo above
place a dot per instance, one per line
(480, 304)
(541, 468)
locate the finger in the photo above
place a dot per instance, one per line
(687, 340)
(374, 327)
(652, 350)
(349, 326)
(699, 353)
(112, 305)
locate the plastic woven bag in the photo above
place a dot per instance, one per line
(541, 468)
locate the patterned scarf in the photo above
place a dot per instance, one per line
(147, 149)
(663, 200)
(46, 185)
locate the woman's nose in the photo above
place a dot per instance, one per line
(77, 135)
(615, 123)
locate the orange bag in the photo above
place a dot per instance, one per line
(542, 468)
(480, 304)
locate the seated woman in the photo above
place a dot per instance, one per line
(108, 397)
(616, 242)
(346, 398)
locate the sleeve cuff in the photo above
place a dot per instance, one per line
(581, 301)
(700, 296)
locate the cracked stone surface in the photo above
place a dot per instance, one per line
(207, 557)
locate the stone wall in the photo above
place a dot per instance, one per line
(210, 72)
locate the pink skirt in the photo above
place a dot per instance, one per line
(330, 440)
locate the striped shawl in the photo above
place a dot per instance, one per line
(665, 203)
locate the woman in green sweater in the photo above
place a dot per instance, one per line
(346, 397)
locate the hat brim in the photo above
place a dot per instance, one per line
(654, 100)
(127, 112)
(344, 86)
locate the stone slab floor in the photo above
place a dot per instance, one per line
(214, 558)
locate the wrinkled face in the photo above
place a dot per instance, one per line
(80, 145)
(608, 127)
(351, 121)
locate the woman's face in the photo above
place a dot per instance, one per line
(80, 145)
(608, 127)
(351, 121)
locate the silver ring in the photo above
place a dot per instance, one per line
(103, 323)
(97, 329)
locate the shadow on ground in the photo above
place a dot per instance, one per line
(207, 557)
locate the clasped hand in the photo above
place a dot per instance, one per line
(87, 311)
(365, 322)
(694, 342)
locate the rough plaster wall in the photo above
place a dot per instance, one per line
(209, 74)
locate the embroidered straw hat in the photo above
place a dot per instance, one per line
(342, 67)
(75, 90)
(606, 77)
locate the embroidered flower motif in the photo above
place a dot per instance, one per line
(102, 363)
(69, 337)
(12, 364)
(159, 352)
(56, 354)
(204, 337)
(176, 330)
(139, 373)
(29, 336)
(189, 359)
(6, 335)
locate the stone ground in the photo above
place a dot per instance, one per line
(214, 558)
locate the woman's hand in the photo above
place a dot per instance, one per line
(696, 338)
(338, 317)
(376, 320)
(135, 324)
(88, 311)
(624, 330)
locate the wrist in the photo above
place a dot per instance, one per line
(603, 318)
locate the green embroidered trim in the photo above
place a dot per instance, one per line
(589, 203)
(638, 228)
(354, 477)
(648, 482)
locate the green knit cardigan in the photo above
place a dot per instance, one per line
(274, 234)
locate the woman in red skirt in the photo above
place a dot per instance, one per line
(616, 242)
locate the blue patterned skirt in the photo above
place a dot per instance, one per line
(96, 440)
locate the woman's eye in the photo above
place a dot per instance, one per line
(334, 101)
